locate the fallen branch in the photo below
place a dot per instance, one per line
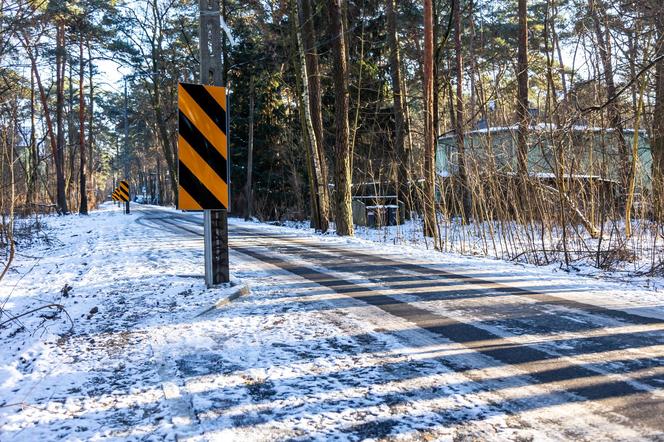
(592, 230)
(581, 253)
(60, 308)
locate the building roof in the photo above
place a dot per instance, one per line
(540, 127)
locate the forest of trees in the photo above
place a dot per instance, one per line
(328, 95)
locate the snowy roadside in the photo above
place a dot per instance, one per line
(116, 280)
(474, 241)
(611, 289)
(289, 360)
(142, 362)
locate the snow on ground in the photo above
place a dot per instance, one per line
(142, 363)
(475, 241)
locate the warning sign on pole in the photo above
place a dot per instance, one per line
(121, 193)
(202, 147)
(123, 190)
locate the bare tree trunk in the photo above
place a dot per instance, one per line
(464, 190)
(90, 158)
(83, 208)
(472, 64)
(32, 196)
(631, 185)
(45, 107)
(165, 140)
(319, 201)
(604, 46)
(522, 95)
(248, 192)
(71, 137)
(358, 85)
(312, 110)
(159, 97)
(437, 48)
(400, 124)
(342, 161)
(313, 71)
(8, 140)
(657, 144)
(59, 112)
(556, 44)
(159, 184)
(430, 224)
(406, 126)
(298, 64)
(450, 97)
(632, 48)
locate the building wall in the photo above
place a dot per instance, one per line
(584, 152)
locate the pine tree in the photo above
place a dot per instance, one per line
(342, 159)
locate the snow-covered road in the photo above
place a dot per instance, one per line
(338, 339)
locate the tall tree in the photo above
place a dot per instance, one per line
(91, 139)
(148, 35)
(32, 187)
(430, 225)
(83, 176)
(603, 38)
(460, 119)
(43, 98)
(342, 160)
(307, 21)
(249, 194)
(312, 114)
(60, 59)
(402, 149)
(657, 143)
(522, 93)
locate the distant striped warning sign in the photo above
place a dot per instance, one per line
(121, 193)
(202, 147)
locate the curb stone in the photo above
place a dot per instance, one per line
(229, 294)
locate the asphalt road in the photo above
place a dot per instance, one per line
(509, 331)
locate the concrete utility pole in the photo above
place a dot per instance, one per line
(215, 221)
(125, 155)
(116, 169)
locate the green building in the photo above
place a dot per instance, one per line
(586, 151)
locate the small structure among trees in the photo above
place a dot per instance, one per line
(575, 169)
(579, 150)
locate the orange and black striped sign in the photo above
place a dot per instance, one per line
(122, 191)
(116, 195)
(202, 147)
